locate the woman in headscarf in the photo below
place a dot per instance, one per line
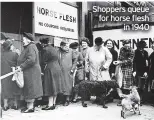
(9, 88)
(110, 45)
(53, 78)
(29, 64)
(68, 63)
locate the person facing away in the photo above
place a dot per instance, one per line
(53, 79)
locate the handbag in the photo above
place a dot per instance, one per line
(19, 78)
(119, 75)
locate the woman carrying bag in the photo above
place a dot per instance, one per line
(29, 64)
(9, 88)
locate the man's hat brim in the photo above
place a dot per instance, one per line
(29, 36)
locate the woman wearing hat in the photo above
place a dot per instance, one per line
(29, 64)
(140, 64)
(53, 79)
(9, 88)
(80, 73)
(79, 76)
(98, 60)
(68, 63)
(151, 71)
(125, 59)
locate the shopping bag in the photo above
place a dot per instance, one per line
(118, 75)
(19, 79)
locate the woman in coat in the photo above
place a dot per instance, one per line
(84, 48)
(68, 63)
(9, 88)
(79, 76)
(151, 68)
(125, 59)
(110, 45)
(80, 71)
(140, 68)
(97, 61)
(29, 64)
(53, 78)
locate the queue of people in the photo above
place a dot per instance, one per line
(62, 68)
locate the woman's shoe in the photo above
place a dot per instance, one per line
(44, 108)
(66, 103)
(74, 101)
(5, 108)
(119, 104)
(28, 110)
(14, 107)
(23, 109)
(49, 107)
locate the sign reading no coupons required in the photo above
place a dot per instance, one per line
(56, 19)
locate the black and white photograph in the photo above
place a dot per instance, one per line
(77, 60)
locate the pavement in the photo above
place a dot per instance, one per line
(75, 111)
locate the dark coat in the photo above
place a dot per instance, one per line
(9, 87)
(53, 78)
(67, 62)
(114, 58)
(140, 67)
(80, 68)
(140, 62)
(29, 62)
(151, 67)
(40, 49)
